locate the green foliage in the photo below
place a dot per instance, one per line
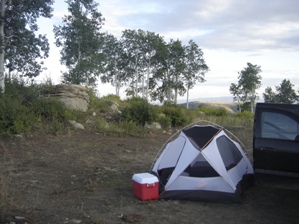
(24, 48)
(50, 109)
(213, 111)
(95, 103)
(164, 121)
(249, 81)
(53, 114)
(244, 114)
(284, 93)
(246, 106)
(23, 110)
(16, 115)
(176, 114)
(15, 118)
(139, 111)
(46, 88)
(21, 91)
(99, 125)
(81, 41)
(139, 53)
(113, 97)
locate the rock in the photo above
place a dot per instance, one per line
(76, 125)
(76, 221)
(154, 125)
(132, 218)
(114, 106)
(106, 126)
(73, 96)
(19, 217)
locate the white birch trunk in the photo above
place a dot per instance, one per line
(187, 104)
(2, 47)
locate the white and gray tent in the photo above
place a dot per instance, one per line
(203, 163)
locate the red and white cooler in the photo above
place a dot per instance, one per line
(145, 186)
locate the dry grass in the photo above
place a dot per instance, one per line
(86, 176)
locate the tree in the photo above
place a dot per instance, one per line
(269, 95)
(169, 75)
(236, 91)
(195, 66)
(132, 44)
(177, 68)
(284, 93)
(151, 43)
(21, 50)
(249, 82)
(81, 42)
(116, 67)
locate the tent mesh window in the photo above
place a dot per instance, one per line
(199, 136)
(229, 152)
(200, 167)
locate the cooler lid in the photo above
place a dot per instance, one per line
(145, 178)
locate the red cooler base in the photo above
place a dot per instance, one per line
(145, 186)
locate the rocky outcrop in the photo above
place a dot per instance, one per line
(73, 96)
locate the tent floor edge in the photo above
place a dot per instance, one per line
(201, 195)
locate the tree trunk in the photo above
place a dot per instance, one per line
(147, 80)
(116, 80)
(187, 104)
(239, 105)
(2, 47)
(136, 84)
(252, 100)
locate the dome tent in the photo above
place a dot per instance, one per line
(203, 163)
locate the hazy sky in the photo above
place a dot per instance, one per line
(229, 32)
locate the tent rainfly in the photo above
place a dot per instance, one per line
(203, 163)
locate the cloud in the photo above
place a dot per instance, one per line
(235, 25)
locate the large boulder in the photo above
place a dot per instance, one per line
(73, 96)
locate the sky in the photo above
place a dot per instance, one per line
(230, 33)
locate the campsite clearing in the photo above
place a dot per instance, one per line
(86, 177)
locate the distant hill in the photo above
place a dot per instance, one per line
(224, 99)
(229, 107)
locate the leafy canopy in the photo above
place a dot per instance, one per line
(284, 93)
(24, 49)
(81, 42)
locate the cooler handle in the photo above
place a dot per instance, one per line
(150, 185)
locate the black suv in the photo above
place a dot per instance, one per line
(276, 139)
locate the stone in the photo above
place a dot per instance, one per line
(73, 96)
(114, 106)
(154, 125)
(76, 125)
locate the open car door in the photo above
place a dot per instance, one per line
(276, 138)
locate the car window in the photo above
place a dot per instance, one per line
(280, 126)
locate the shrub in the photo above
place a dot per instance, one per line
(176, 114)
(164, 121)
(15, 118)
(53, 114)
(113, 97)
(16, 115)
(19, 90)
(245, 114)
(139, 111)
(217, 111)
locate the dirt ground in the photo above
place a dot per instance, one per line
(86, 177)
